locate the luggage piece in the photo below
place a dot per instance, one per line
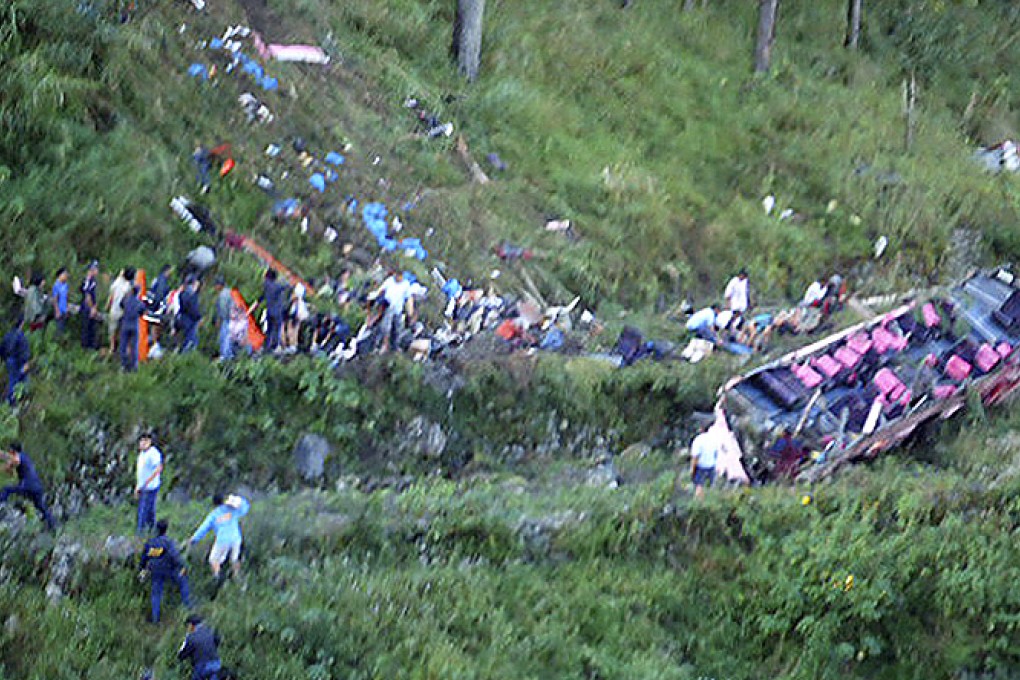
(986, 358)
(957, 369)
(847, 357)
(931, 317)
(827, 365)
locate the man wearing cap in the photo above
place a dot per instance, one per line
(29, 485)
(89, 310)
(148, 470)
(162, 560)
(224, 521)
(190, 315)
(224, 307)
(201, 648)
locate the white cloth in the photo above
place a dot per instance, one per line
(299, 306)
(396, 292)
(815, 293)
(736, 294)
(705, 448)
(149, 461)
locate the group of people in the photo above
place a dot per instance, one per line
(733, 326)
(161, 560)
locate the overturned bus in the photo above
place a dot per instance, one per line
(864, 390)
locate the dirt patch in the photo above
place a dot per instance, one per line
(261, 18)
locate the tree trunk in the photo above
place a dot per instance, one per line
(467, 36)
(853, 24)
(768, 10)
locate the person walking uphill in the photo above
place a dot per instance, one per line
(89, 310)
(29, 485)
(162, 560)
(132, 309)
(16, 353)
(201, 647)
(224, 521)
(148, 471)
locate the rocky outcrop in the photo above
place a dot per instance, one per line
(310, 454)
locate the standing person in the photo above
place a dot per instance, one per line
(157, 296)
(132, 309)
(396, 291)
(119, 289)
(737, 293)
(16, 353)
(190, 315)
(203, 166)
(162, 560)
(148, 472)
(274, 297)
(224, 521)
(224, 308)
(297, 315)
(35, 303)
(704, 455)
(201, 647)
(89, 310)
(29, 485)
(59, 300)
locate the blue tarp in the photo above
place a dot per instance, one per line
(318, 181)
(198, 71)
(453, 289)
(333, 158)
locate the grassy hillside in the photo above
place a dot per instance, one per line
(499, 559)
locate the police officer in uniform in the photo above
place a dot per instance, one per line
(162, 560)
(200, 646)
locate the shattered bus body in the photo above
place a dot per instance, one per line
(860, 392)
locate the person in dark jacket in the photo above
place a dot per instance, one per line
(200, 647)
(190, 315)
(89, 310)
(29, 485)
(274, 296)
(16, 353)
(133, 308)
(162, 560)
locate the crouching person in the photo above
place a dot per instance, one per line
(201, 647)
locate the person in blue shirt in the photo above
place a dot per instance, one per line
(163, 561)
(59, 300)
(16, 353)
(201, 647)
(29, 485)
(133, 308)
(702, 323)
(224, 521)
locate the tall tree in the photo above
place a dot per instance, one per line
(768, 10)
(467, 36)
(853, 24)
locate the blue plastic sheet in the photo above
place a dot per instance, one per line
(453, 289)
(333, 158)
(270, 84)
(198, 71)
(318, 181)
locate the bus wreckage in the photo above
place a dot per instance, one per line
(860, 392)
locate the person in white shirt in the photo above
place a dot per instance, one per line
(814, 295)
(703, 323)
(704, 456)
(396, 291)
(737, 294)
(119, 289)
(147, 479)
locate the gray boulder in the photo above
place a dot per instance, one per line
(426, 438)
(118, 549)
(310, 455)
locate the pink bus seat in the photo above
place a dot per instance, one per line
(957, 368)
(859, 342)
(827, 365)
(847, 357)
(986, 358)
(931, 317)
(807, 375)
